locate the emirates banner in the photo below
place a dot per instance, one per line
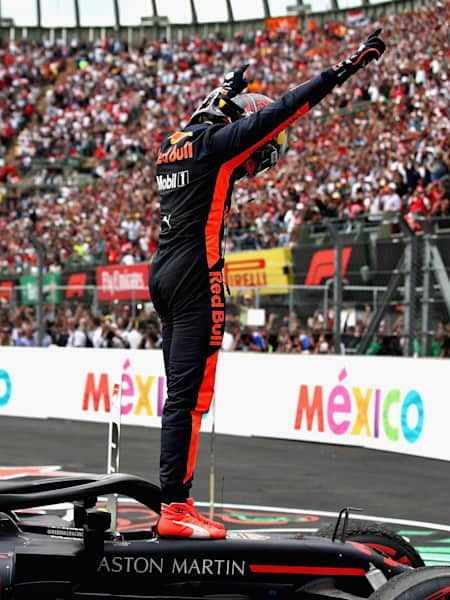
(122, 282)
(6, 290)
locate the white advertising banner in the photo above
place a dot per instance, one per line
(23, 388)
(392, 404)
(77, 383)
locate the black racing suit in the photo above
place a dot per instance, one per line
(195, 176)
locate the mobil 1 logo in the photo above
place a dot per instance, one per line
(172, 181)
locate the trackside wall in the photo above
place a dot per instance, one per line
(392, 404)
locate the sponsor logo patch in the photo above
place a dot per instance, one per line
(159, 565)
(178, 136)
(217, 308)
(175, 154)
(172, 181)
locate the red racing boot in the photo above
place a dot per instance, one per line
(190, 501)
(181, 519)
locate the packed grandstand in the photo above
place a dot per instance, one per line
(81, 123)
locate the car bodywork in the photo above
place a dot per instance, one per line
(47, 558)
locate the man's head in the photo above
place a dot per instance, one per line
(218, 108)
(270, 153)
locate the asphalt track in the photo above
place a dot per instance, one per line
(248, 471)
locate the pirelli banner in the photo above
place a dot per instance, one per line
(269, 270)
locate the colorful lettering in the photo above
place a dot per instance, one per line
(393, 397)
(313, 410)
(175, 154)
(135, 394)
(218, 308)
(97, 393)
(412, 399)
(338, 406)
(143, 401)
(362, 418)
(361, 412)
(5, 380)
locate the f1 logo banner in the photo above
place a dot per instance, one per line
(76, 284)
(315, 266)
(322, 265)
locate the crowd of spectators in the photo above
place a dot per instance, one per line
(79, 327)
(377, 144)
(25, 70)
(110, 104)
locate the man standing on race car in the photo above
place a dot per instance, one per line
(227, 136)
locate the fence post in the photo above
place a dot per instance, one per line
(291, 306)
(40, 252)
(337, 286)
(410, 294)
(95, 299)
(426, 298)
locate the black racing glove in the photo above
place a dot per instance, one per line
(234, 82)
(371, 49)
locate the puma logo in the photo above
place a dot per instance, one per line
(165, 220)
